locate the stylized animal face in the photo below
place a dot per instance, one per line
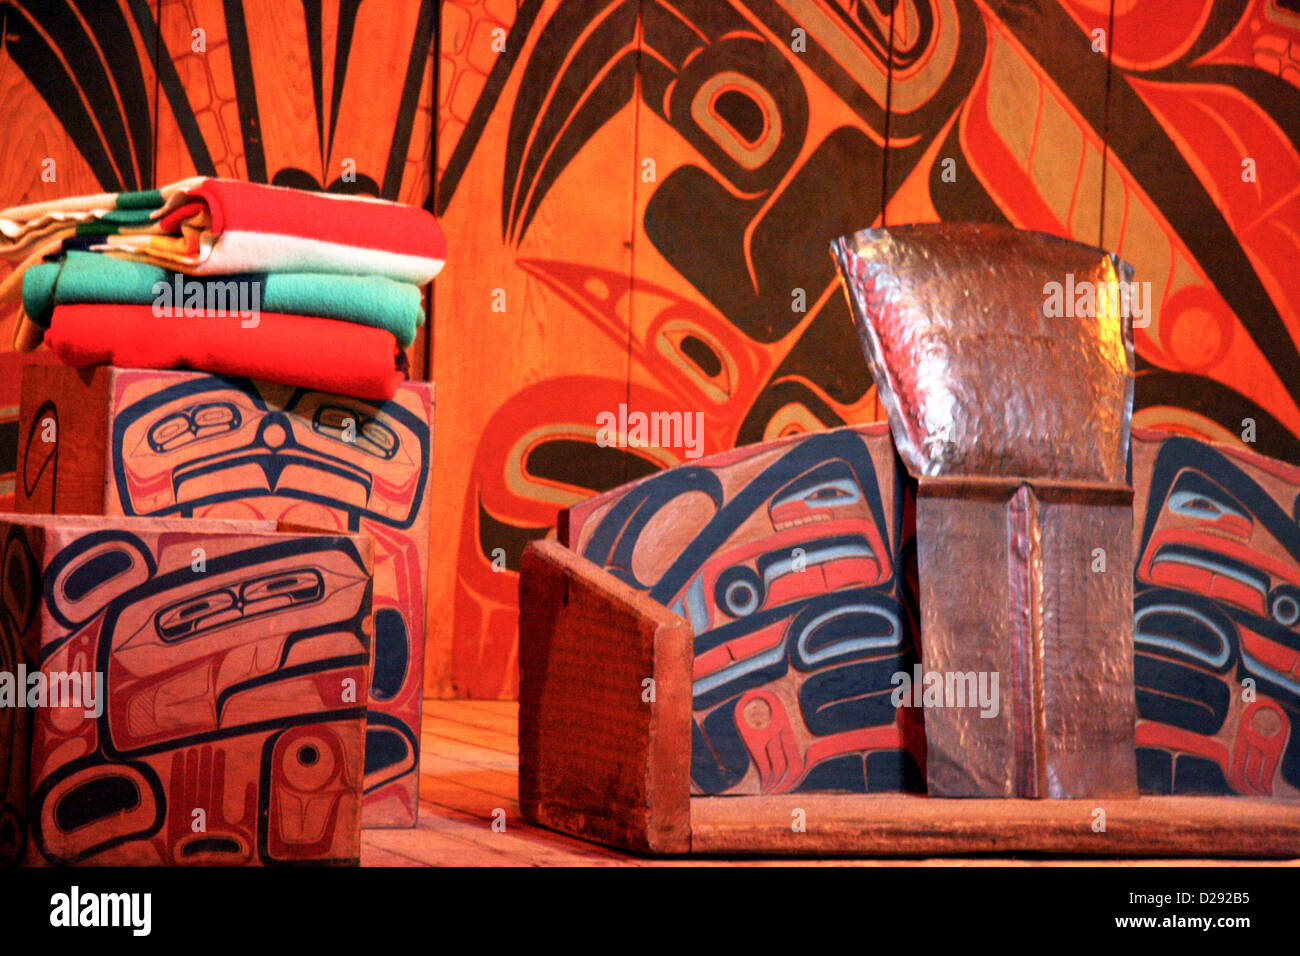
(208, 440)
(212, 447)
(204, 669)
(1216, 611)
(785, 564)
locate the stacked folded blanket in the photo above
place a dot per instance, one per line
(229, 277)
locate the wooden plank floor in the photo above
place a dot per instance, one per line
(469, 775)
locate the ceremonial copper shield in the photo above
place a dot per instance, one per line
(1004, 361)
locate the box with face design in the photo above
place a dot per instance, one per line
(185, 444)
(181, 692)
(788, 560)
(1216, 626)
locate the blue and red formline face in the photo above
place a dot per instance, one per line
(1217, 622)
(788, 574)
(230, 728)
(206, 446)
(205, 440)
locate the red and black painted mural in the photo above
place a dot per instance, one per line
(638, 197)
(647, 190)
(795, 563)
(111, 95)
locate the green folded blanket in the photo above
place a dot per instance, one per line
(88, 277)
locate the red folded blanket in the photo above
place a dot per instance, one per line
(218, 226)
(323, 354)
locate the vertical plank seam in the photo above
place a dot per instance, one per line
(1038, 636)
(889, 106)
(408, 104)
(157, 94)
(250, 117)
(431, 201)
(1105, 126)
(631, 269)
(168, 80)
(884, 160)
(1020, 518)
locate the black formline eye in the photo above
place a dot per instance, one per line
(742, 113)
(187, 617)
(303, 584)
(702, 354)
(193, 424)
(366, 434)
(215, 413)
(379, 435)
(1284, 605)
(95, 572)
(1195, 495)
(738, 591)
(829, 481)
(164, 434)
(827, 494)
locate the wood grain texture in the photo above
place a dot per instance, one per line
(11, 381)
(597, 759)
(22, 548)
(532, 314)
(309, 477)
(77, 94)
(63, 476)
(1202, 165)
(789, 559)
(133, 94)
(776, 126)
(1216, 609)
(456, 820)
(917, 826)
(199, 746)
(335, 96)
(888, 825)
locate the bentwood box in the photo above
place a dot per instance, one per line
(130, 442)
(711, 661)
(181, 692)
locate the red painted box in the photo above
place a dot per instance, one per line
(187, 444)
(181, 692)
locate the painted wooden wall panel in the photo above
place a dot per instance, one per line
(775, 125)
(76, 97)
(270, 92)
(532, 327)
(677, 291)
(1203, 197)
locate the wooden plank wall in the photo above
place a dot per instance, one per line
(744, 134)
(638, 195)
(130, 94)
